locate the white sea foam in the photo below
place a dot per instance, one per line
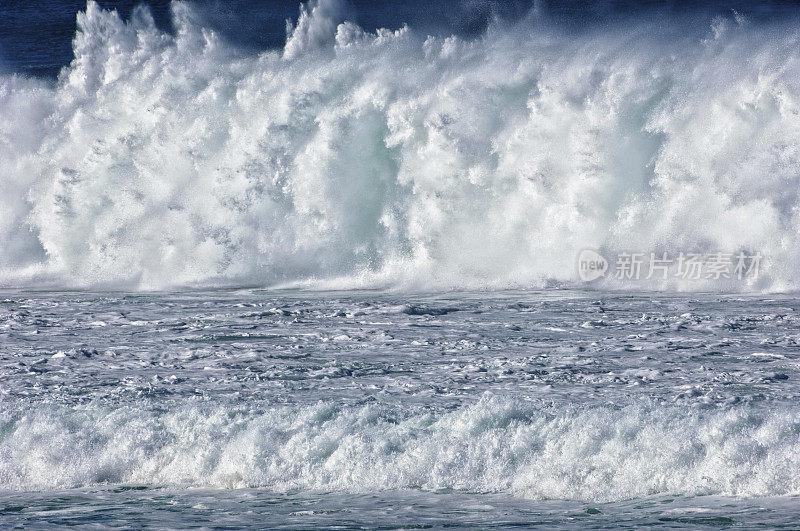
(495, 445)
(397, 160)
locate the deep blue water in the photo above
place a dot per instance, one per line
(35, 37)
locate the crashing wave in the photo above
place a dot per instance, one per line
(395, 159)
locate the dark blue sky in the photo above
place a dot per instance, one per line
(35, 37)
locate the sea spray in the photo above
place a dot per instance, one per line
(398, 160)
(594, 454)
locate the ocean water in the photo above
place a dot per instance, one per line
(251, 407)
(272, 264)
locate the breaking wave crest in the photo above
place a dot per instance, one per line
(495, 445)
(393, 159)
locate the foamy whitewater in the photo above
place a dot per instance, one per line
(174, 206)
(398, 160)
(550, 408)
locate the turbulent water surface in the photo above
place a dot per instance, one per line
(324, 273)
(394, 410)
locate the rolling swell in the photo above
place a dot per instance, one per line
(392, 159)
(598, 454)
